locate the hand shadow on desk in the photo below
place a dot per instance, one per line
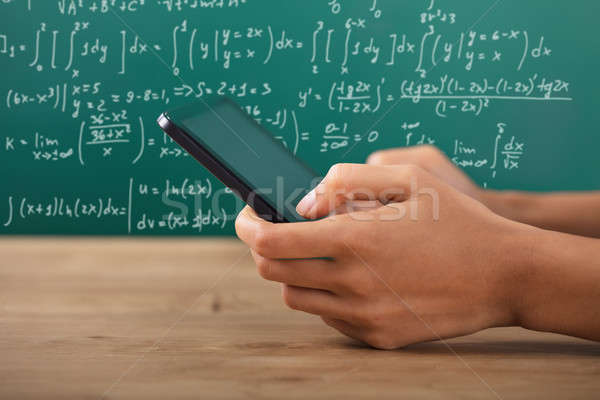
(491, 347)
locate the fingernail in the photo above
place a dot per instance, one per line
(307, 203)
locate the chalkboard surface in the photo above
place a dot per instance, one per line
(508, 89)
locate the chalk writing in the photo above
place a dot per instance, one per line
(84, 81)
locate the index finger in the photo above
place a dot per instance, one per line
(346, 182)
(418, 155)
(314, 239)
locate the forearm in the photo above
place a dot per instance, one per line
(558, 288)
(576, 213)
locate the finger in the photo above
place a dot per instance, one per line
(352, 206)
(344, 327)
(346, 182)
(313, 301)
(288, 240)
(314, 274)
(417, 155)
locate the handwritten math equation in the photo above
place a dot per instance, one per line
(338, 77)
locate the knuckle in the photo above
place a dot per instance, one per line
(263, 240)
(429, 149)
(379, 340)
(361, 289)
(337, 175)
(413, 169)
(369, 318)
(264, 267)
(408, 171)
(428, 154)
(358, 316)
(356, 284)
(378, 158)
(342, 285)
(378, 318)
(289, 298)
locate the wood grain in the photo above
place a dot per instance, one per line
(174, 318)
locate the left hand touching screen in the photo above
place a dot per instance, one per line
(424, 262)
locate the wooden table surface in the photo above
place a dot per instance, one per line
(172, 318)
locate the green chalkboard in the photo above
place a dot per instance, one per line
(508, 89)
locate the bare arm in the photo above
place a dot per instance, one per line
(576, 213)
(561, 285)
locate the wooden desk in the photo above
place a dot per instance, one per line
(144, 319)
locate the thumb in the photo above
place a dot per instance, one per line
(345, 183)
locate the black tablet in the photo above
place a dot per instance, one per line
(243, 155)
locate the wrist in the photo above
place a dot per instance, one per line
(546, 280)
(525, 272)
(544, 285)
(515, 272)
(508, 204)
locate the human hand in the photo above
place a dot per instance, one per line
(431, 159)
(552, 211)
(429, 263)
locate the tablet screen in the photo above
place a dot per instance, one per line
(249, 151)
